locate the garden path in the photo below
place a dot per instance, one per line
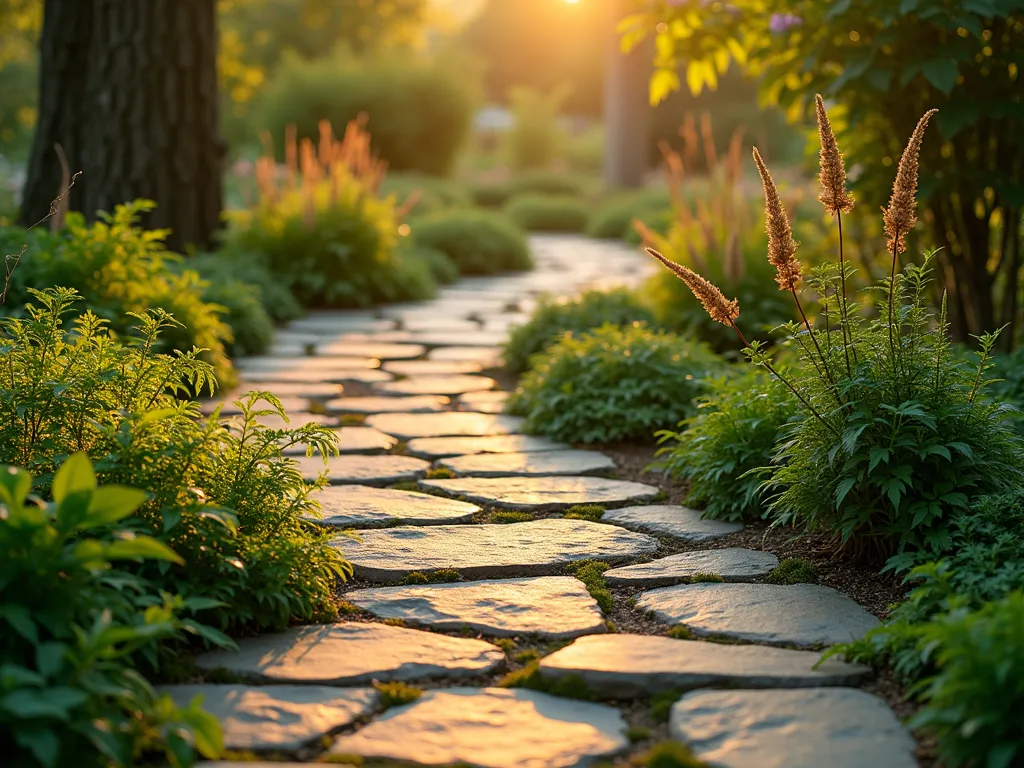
(753, 698)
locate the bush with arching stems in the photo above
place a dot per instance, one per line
(894, 436)
(478, 242)
(548, 213)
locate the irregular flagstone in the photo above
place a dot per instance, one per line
(796, 614)
(363, 470)
(489, 357)
(731, 564)
(445, 324)
(412, 404)
(530, 464)
(228, 406)
(626, 666)
(475, 338)
(670, 520)
(277, 717)
(431, 367)
(544, 494)
(444, 447)
(354, 654)
(339, 322)
(557, 607)
(354, 440)
(436, 385)
(489, 551)
(372, 337)
(483, 402)
(295, 420)
(331, 375)
(835, 727)
(360, 506)
(406, 426)
(491, 728)
(263, 366)
(379, 350)
(310, 390)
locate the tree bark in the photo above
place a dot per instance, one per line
(133, 102)
(627, 110)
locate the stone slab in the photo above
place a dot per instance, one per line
(491, 728)
(628, 666)
(445, 447)
(267, 365)
(407, 426)
(380, 350)
(530, 464)
(436, 385)
(670, 520)
(331, 375)
(544, 494)
(354, 440)
(360, 506)
(555, 607)
(431, 367)
(834, 727)
(333, 322)
(489, 357)
(310, 390)
(368, 405)
(732, 564)
(489, 551)
(483, 402)
(295, 420)
(277, 717)
(475, 338)
(352, 653)
(363, 470)
(803, 615)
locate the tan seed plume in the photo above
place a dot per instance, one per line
(901, 215)
(719, 308)
(781, 245)
(833, 195)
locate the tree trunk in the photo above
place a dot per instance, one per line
(139, 89)
(627, 109)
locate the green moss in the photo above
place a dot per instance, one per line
(706, 578)
(345, 608)
(405, 486)
(396, 622)
(661, 705)
(794, 570)
(637, 733)
(591, 573)
(591, 512)
(416, 577)
(399, 449)
(396, 694)
(441, 576)
(511, 517)
(669, 754)
(526, 656)
(507, 644)
(610, 626)
(680, 632)
(352, 419)
(440, 473)
(569, 687)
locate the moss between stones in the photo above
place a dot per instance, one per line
(661, 705)
(405, 486)
(353, 419)
(441, 576)
(591, 512)
(395, 622)
(569, 687)
(706, 578)
(526, 656)
(680, 632)
(440, 473)
(396, 694)
(591, 573)
(511, 517)
(793, 570)
(668, 754)
(637, 733)
(507, 644)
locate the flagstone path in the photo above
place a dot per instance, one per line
(466, 570)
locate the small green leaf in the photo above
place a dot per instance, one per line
(75, 475)
(144, 547)
(112, 503)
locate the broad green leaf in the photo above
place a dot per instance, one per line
(941, 73)
(75, 475)
(43, 743)
(15, 485)
(21, 620)
(142, 547)
(112, 503)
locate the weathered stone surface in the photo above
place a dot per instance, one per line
(491, 728)
(228, 406)
(489, 551)
(544, 494)
(624, 666)
(483, 402)
(441, 323)
(268, 365)
(360, 506)
(337, 322)
(556, 607)
(379, 350)
(412, 404)
(475, 338)
(277, 717)
(406, 426)
(444, 447)
(489, 357)
(436, 385)
(431, 367)
(354, 654)
(732, 564)
(304, 375)
(354, 440)
(363, 470)
(670, 520)
(797, 614)
(530, 464)
(296, 420)
(310, 390)
(835, 727)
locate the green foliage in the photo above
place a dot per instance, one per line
(223, 498)
(77, 624)
(680, 632)
(669, 754)
(793, 570)
(529, 676)
(419, 111)
(612, 384)
(526, 656)
(536, 139)
(119, 269)
(479, 242)
(510, 517)
(426, 194)
(437, 473)
(548, 213)
(531, 183)
(661, 705)
(396, 694)
(706, 578)
(554, 318)
(613, 219)
(637, 733)
(440, 576)
(733, 435)
(591, 512)
(591, 573)
(1009, 388)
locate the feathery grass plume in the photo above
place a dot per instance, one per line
(901, 215)
(781, 245)
(719, 308)
(833, 195)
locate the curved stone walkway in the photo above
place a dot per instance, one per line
(468, 540)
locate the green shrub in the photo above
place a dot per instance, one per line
(536, 138)
(554, 318)
(613, 219)
(425, 194)
(419, 111)
(1009, 386)
(479, 242)
(612, 384)
(76, 625)
(495, 195)
(733, 435)
(223, 498)
(119, 269)
(793, 570)
(548, 213)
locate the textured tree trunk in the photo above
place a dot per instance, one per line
(627, 110)
(134, 104)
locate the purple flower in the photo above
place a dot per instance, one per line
(780, 22)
